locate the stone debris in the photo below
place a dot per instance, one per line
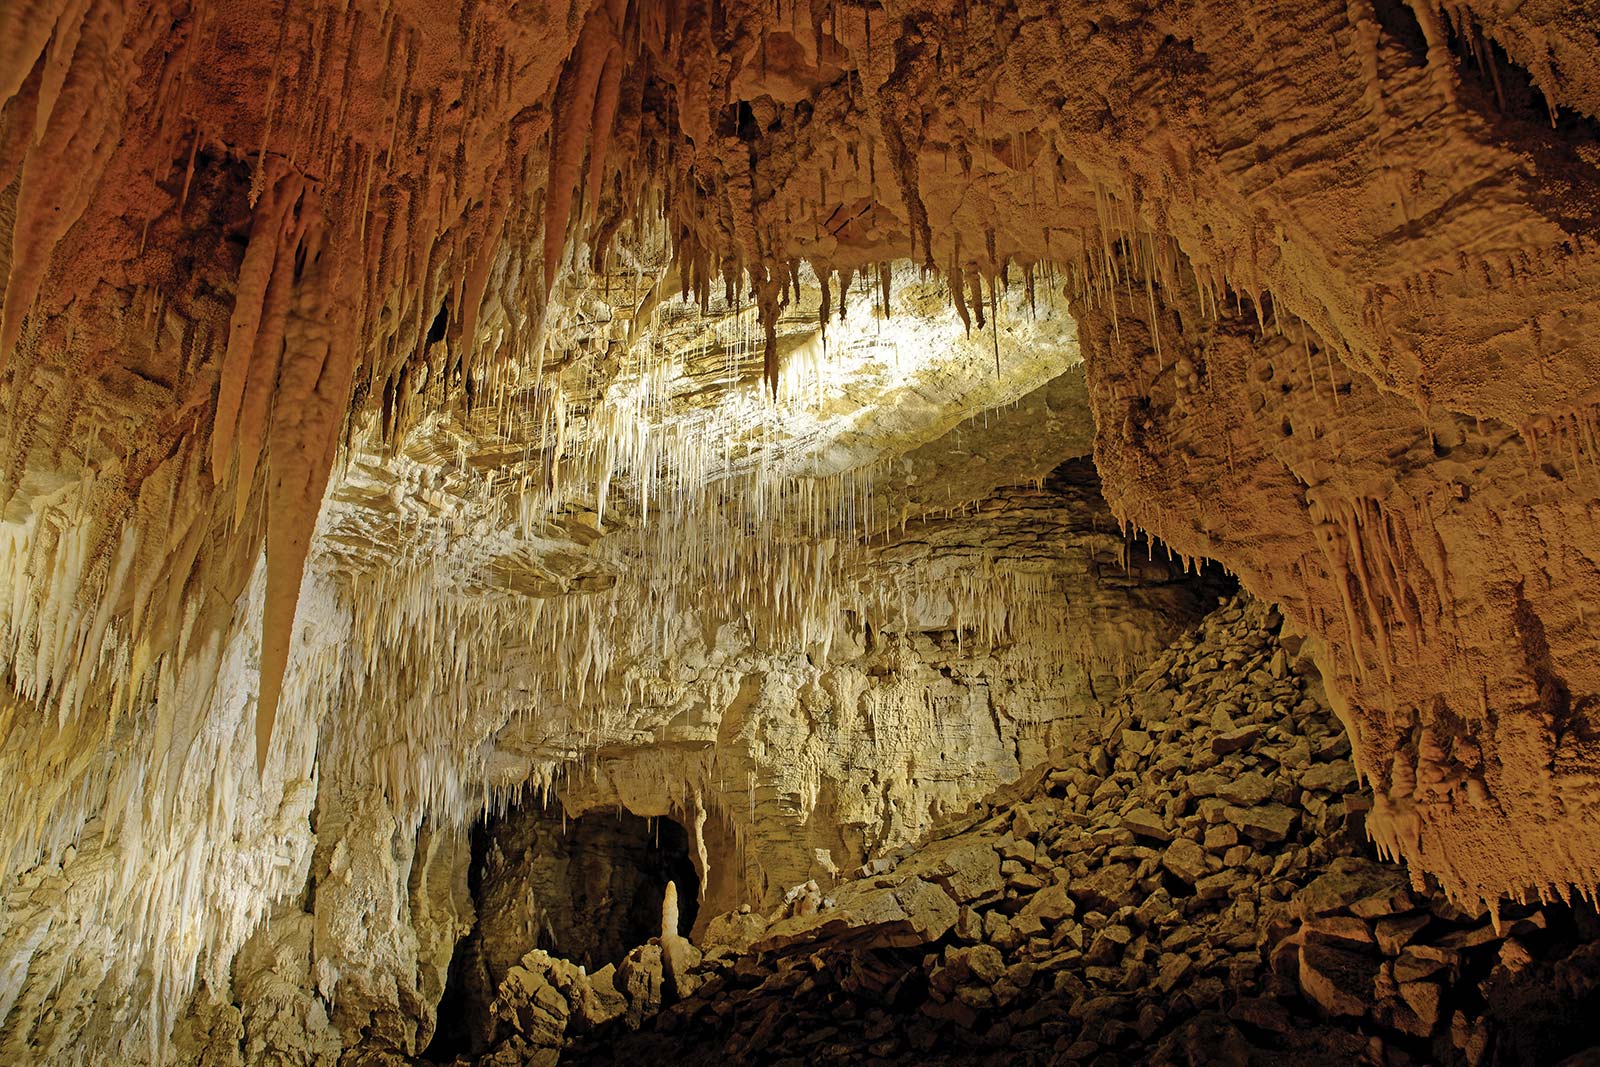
(1052, 924)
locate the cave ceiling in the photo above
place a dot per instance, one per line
(436, 324)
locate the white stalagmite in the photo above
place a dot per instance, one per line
(669, 912)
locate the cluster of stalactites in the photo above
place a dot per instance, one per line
(368, 277)
(369, 283)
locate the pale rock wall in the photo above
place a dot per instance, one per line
(359, 956)
(802, 764)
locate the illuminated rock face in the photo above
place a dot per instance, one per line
(801, 762)
(352, 432)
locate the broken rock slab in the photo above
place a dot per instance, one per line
(912, 913)
(1337, 980)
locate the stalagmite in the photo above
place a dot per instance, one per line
(669, 912)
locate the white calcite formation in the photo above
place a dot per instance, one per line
(912, 648)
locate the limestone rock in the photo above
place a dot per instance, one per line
(1347, 880)
(1338, 981)
(1186, 860)
(1267, 823)
(1245, 790)
(969, 872)
(1147, 824)
(1393, 933)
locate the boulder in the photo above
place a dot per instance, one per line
(1107, 889)
(1423, 999)
(1221, 837)
(1186, 860)
(1339, 776)
(1142, 822)
(1245, 790)
(911, 913)
(982, 963)
(642, 983)
(1342, 930)
(1395, 932)
(1171, 969)
(968, 871)
(1049, 906)
(1417, 962)
(1217, 886)
(1236, 740)
(735, 930)
(1265, 823)
(1337, 980)
(1346, 880)
(1108, 944)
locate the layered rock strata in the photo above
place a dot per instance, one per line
(977, 645)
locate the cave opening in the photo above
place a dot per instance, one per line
(587, 888)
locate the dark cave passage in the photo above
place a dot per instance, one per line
(586, 889)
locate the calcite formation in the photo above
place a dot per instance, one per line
(401, 400)
(798, 762)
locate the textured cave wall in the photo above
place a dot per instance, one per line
(154, 281)
(179, 865)
(1444, 565)
(357, 958)
(385, 720)
(809, 761)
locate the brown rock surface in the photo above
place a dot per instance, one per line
(347, 427)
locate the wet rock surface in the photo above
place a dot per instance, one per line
(1162, 899)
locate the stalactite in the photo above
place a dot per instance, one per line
(263, 383)
(25, 29)
(74, 136)
(576, 109)
(271, 217)
(605, 117)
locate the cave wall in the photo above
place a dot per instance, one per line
(1442, 564)
(357, 957)
(982, 645)
(181, 862)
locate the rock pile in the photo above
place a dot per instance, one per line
(1194, 888)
